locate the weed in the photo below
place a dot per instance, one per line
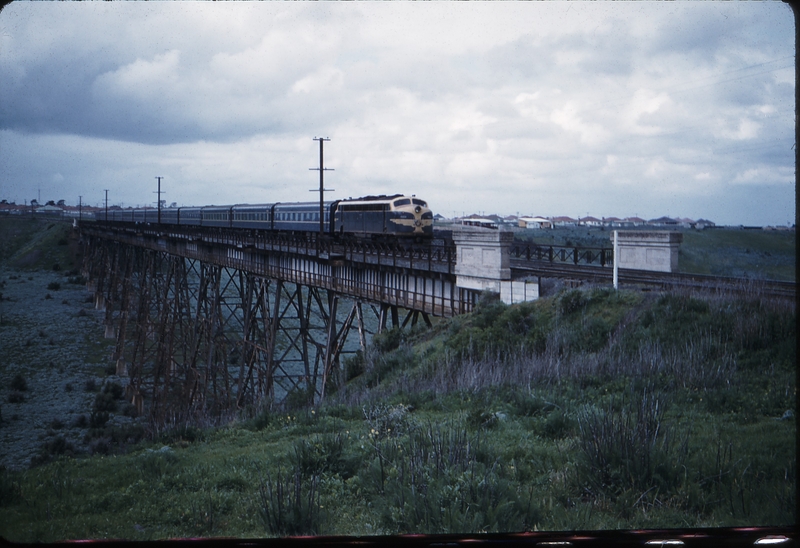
(54, 286)
(388, 421)
(290, 504)
(16, 397)
(630, 449)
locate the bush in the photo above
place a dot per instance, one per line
(54, 286)
(323, 454)
(98, 419)
(105, 401)
(630, 449)
(354, 365)
(388, 340)
(388, 421)
(19, 383)
(114, 389)
(433, 482)
(16, 397)
(52, 449)
(572, 301)
(290, 504)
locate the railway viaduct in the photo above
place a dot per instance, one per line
(210, 321)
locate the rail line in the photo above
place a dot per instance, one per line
(771, 288)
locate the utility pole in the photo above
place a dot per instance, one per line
(159, 198)
(322, 188)
(106, 204)
(80, 208)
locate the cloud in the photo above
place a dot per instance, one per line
(479, 105)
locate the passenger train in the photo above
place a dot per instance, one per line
(369, 216)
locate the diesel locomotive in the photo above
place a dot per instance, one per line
(368, 216)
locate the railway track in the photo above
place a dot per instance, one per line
(597, 274)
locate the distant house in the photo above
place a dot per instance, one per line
(701, 224)
(563, 221)
(49, 210)
(634, 221)
(535, 222)
(590, 221)
(662, 221)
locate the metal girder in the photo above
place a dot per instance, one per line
(199, 339)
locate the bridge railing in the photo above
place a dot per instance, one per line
(596, 256)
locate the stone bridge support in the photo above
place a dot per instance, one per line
(484, 264)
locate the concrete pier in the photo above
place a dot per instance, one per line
(648, 250)
(484, 264)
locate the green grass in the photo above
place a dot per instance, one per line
(590, 409)
(740, 253)
(37, 244)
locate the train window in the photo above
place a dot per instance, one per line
(419, 202)
(404, 201)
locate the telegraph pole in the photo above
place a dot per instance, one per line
(80, 208)
(106, 190)
(322, 188)
(159, 198)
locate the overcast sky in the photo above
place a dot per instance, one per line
(618, 109)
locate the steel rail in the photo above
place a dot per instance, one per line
(772, 288)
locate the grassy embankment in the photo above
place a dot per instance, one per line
(37, 244)
(588, 409)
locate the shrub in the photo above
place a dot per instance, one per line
(572, 301)
(387, 421)
(323, 454)
(104, 401)
(289, 504)
(98, 419)
(630, 449)
(558, 425)
(90, 386)
(157, 463)
(129, 410)
(387, 340)
(261, 421)
(115, 389)
(354, 365)
(16, 397)
(433, 482)
(52, 449)
(54, 286)
(19, 383)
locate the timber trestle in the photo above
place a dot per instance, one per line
(210, 322)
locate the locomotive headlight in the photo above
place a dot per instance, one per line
(417, 209)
